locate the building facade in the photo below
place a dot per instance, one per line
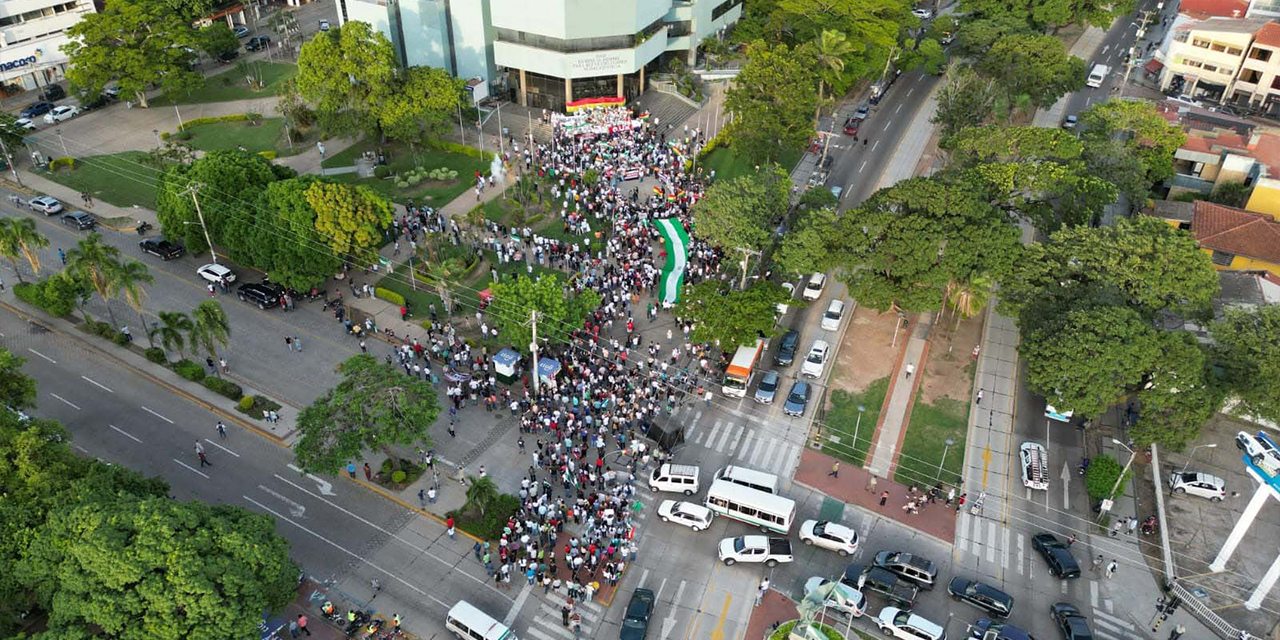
(454, 35)
(32, 33)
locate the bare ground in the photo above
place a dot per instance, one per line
(948, 371)
(866, 353)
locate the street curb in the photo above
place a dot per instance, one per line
(394, 498)
(867, 511)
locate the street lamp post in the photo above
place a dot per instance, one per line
(945, 449)
(1211, 445)
(1111, 495)
(159, 144)
(861, 408)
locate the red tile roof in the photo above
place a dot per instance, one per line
(1209, 8)
(1236, 231)
(1268, 35)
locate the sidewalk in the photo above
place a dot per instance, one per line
(773, 608)
(853, 487)
(107, 215)
(901, 395)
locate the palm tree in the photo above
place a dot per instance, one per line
(173, 329)
(482, 493)
(128, 282)
(209, 328)
(832, 47)
(19, 238)
(97, 264)
(968, 298)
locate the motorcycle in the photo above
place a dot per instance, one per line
(1084, 464)
(143, 227)
(1150, 526)
(353, 627)
(317, 294)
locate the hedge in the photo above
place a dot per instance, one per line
(58, 163)
(189, 370)
(156, 355)
(453, 147)
(389, 296)
(270, 155)
(490, 525)
(38, 294)
(224, 387)
(235, 117)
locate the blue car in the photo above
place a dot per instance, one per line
(797, 400)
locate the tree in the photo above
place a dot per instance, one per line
(303, 256)
(731, 318)
(980, 33)
(19, 239)
(1248, 349)
(128, 281)
(929, 56)
(96, 264)
(229, 183)
(906, 243)
(736, 213)
(560, 312)
(374, 406)
(1149, 139)
(421, 108)
(1035, 65)
(1101, 476)
(965, 100)
(346, 73)
(871, 27)
(173, 330)
(17, 391)
(10, 132)
(218, 39)
(481, 493)
(771, 101)
(968, 298)
(292, 106)
(209, 328)
(830, 49)
(350, 218)
(806, 246)
(1179, 395)
(135, 43)
(1231, 194)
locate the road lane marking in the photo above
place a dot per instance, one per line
(873, 147)
(191, 468)
(125, 433)
(64, 400)
(351, 553)
(864, 166)
(295, 508)
(886, 125)
(51, 360)
(986, 464)
(899, 108)
(910, 90)
(1020, 554)
(517, 605)
(729, 430)
(991, 541)
(157, 415)
(718, 632)
(96, 384)
(963, 528)
(643, 576)
(222, 447)
(326, 488)
(1004, 550)
(733, 444)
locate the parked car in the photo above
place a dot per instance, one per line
(53, 92)
(1074, 626)
(262, 294)
(694, 516)
(324, 25)
(45, 204)
(987, 629)
(1070, 122)
(161, 248)
(923, 14)
(983, 596)
(1198, 484)
(25, 124)
(903, 624)
(797, 400)
(241, 31)
(257, 42)
(635, 622)
(1035, 465)
(829, 535)
(79, 220)
(840, 597)
(1261, 451)
(851, 126)
(216, 273)
(862, 112)
(816, 362)
(61, 113)
(910, 566)
(768, 387)
(787, 347)
(228, 56)
(1062, 564)
(36, 109)
(97, 103)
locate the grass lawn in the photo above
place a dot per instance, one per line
(729, 165)
(922, 448)
(842, 419)
(122, 179)
(420, 301)
(400, 158)
(230, 85)
(224, 136)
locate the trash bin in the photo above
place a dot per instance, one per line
(506, 131)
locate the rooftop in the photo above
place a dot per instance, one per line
(1226, 25)
(1210, 8)
(1236, 231)
(1268, 35)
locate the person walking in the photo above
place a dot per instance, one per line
(297, 343)
(979, 396)
(1177, 632)
(288, 343)
(431, 495)
(449, 527)
(1097, 563)
(884, 498)
(368, 472)
(293, 628)
(911, 368)
(1115, 527)
(1133, 525)
(302, 624)
(960, 501)
(871, 483)
(200, 453)
(835, 470)
(1071, 540)
(351, 469)
(62, 255)
(1111, 568)
(951, 496)
(222, 430)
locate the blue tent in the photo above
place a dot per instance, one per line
(548, 368)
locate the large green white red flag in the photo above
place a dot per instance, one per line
(677, 244)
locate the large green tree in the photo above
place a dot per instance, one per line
(96, 263)
(560, 310)
(1037, 66)
(736, 213)
(806, 246)
(871, 27)
(218, 39)
(19, 239)
(350, 218)
(772, 101)
(17, 391)
(1132, 141)
(421, 108)
(347, 73)
(907, 243)
(227, 184)
(1248, 349)
(136, 43)
(965, 100)
(305, 256)
(375, 405)
(1179, 395)
(730, 318)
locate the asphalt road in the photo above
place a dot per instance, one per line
(1112, 51)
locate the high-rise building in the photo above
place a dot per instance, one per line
(32, 33)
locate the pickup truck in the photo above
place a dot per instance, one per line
(770, 551)
(882, 581)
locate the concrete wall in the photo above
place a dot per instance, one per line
(422, 24)
(473, 39)
(570, 19)
(1265, 198)
(579, 65)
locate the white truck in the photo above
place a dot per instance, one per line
(770, 551)
(743, 366)
(1098, 75)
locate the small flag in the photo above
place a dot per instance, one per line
(657, 190)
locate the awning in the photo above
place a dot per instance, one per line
(548, 368)
(1153, 66)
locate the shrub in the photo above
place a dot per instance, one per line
(55, 295)
(224, 387)
(190, 370)
(58, 163)
(100, 329)
(270, 155)
(235, 117)
(246, 403)
(389, 296)
(156, 355)
(1101, 476)
(402, 184)
(254, 119)
(488, 526)
(398, 476)
(381, 171)
(120, 339)
(164, 135)
(453, 147)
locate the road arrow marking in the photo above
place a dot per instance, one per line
(296, 509)
(669, 622)
(1066, 484)
(986, 462)
(325, 487)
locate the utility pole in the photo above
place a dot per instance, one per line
(747, 252)
(533, 349)
(501, 147)
(1135, 52)
(9, 159)
(195, 186)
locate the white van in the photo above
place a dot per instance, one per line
(677, 478)
(835, 312)
(470, 623)
(750, 478)
(1098, 75)
(813, 289)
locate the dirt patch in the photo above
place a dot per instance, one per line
(866, 352)
(948, 370)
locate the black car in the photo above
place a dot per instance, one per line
(1073, 625)
(875, 579)
(787, 348)
(97, 103)
(79, 220)
(988, 598)
(263, 294)
(1062, 564)
(228, 56)
(911, 567)
(635, 623)
(257, 42)
(36, 109)
(162, 249)
(53, 92)
(985, 629)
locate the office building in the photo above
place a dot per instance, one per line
(32, 33)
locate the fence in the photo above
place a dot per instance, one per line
(1206, 615)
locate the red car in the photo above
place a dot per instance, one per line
(851, 127)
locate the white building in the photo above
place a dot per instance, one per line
(32, 33)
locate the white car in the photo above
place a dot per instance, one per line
(816, 361)
(1035, 465)
(694, 516)
(900, 623)
(25, 124)
(829, 535)
(58, 114)
(45, 205)
(1198, 484)
(216, 273)
(838, 596)
(324, 25)
(923, 14)
(791, 293)
(1261, 450)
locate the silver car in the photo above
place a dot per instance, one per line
(768, 387)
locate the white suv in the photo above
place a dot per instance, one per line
(900, 623)
(1262, 452)
(816, 361)
(1198, 484)
(829, 535)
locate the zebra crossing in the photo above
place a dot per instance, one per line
(752, 447)
(547, 621)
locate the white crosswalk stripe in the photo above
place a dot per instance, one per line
(724, 439)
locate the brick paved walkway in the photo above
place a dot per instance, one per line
(774, 607)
